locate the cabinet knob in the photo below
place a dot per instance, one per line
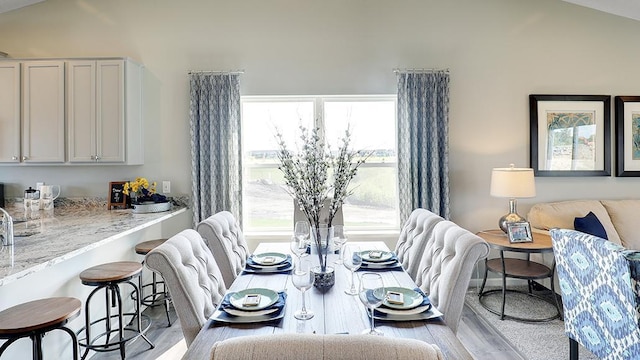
(97, 158)
(14, 158)
(24, 158)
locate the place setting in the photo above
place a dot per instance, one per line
(379, 260)
(404, 304)
(269, 263)
(251, 306)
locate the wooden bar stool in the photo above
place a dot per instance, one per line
(35, 318)
(109, 276)
(156, 297)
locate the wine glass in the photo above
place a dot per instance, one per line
(302, 279)
(302, 231)
(352, 261)
(298, 248)
(339, 239)
(372, 295)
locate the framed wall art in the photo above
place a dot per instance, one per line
(627, 135)
(570, 135)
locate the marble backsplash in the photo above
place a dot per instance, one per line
(93, 202)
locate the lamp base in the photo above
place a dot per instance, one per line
(511, 217)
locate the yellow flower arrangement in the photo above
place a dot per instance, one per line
(140, 189)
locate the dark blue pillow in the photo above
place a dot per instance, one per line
(590, 225)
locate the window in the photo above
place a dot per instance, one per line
(372, 120)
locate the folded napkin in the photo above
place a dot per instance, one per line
(283, 267)
(233, 311)
(425, 305)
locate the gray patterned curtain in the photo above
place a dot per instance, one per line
(423, 146)
(214, 112)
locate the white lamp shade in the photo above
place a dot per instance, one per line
(513, 183)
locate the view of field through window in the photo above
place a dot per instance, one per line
(266, 204)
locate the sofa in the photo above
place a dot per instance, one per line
(617, 217)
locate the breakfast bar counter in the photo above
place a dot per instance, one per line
(45, 238)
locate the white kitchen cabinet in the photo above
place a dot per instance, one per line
(104, 105)
(43, 139)
(9, 112)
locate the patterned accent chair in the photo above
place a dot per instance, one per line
(224, 236)
(450, 254)
(413, 240)
(320, 347)
(192, 275)
(600, 294)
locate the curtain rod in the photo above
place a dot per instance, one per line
(419, 70)
(215, 72)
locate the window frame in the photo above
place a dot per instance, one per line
(319, 102)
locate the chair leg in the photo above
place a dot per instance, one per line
(573, 349)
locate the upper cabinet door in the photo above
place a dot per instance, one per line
(110, 119)
(81, 110)
(9, 112)
(43, 112)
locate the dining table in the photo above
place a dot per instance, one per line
(335, 311)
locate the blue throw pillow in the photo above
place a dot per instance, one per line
(590, 225)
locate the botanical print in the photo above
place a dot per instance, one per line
(635, 135)
(571, 140)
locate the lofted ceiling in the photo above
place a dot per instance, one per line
(626, 8)
(8, 5)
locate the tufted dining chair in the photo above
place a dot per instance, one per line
(223, 235)
(413, 239)
(321, 347)
(449, 257)
(192, 276)
(600, 285)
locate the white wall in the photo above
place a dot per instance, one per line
(498, 52)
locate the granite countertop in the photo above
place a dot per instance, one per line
(46, 238)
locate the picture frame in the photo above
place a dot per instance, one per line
(627, 117)
(570, 135)
(116, 197)
(519, 232)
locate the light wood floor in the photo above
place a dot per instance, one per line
(480, 338)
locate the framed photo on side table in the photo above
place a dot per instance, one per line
(519, 232)
(627, 135)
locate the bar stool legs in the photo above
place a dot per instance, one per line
(156, 297)
(109, 277)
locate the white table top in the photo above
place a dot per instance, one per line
(335, 312)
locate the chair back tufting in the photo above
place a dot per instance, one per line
(192, 276)
(413, 239)
(600, 286)
(449, 257)
(321, 347)
(224, 236)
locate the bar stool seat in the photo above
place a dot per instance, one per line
(35, 318)
(110, 276)
(156, 297)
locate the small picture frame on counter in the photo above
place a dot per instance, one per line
(519, 232)
(116, 197)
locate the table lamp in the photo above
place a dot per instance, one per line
(512, 183)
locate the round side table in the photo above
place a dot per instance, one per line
(518, 268)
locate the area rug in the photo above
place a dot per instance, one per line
(535, 340)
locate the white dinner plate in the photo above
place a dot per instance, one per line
(411, 298)
(384, 256)
(236, 312)
(268, 297)
(269, 258)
